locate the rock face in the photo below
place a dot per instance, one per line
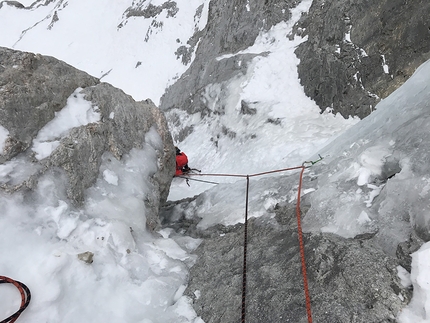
(230, 28)
(349, 279)
(359, 52)
(356, 52)
(34, 87)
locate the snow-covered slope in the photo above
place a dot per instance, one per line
(120, 43)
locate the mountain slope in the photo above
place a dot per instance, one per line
(237, 107)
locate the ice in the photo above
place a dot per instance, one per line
(383, 173)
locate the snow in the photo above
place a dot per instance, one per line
(110, 177)
(404, 276)
(140, 277)
(370, 164)
(384, 65)
(4, 133)
(378, 150)
(419, 308)
(135, 276)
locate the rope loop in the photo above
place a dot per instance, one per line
(25, 298)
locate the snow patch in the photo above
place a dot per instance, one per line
(77, 112)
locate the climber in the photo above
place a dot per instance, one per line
(181, 163)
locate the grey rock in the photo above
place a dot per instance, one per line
(16, 4)
(246, 109)
(405, 249)
(54, 20)
(151, 11)
(350, 280)
(337, 74)
(86, 257)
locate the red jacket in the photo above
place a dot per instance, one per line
(181, 161)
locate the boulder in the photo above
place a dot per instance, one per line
(34, 88)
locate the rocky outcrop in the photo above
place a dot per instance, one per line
(349, 279)
(33, 88)
(358, 52)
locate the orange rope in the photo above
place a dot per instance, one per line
(25, 298)
(302, 249)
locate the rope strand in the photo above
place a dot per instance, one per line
(245, 243)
